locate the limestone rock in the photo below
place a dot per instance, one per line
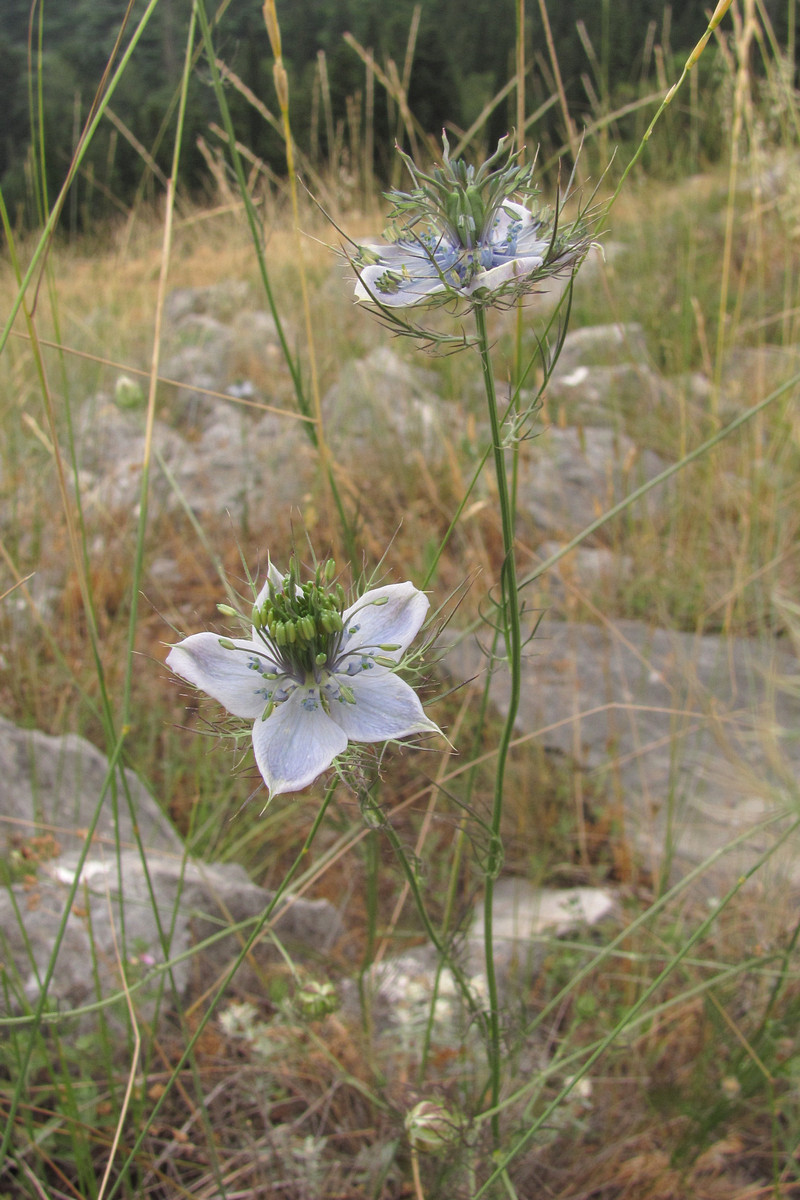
(569, 477)
(694, 737)
(525, 916)
(132, 911)
(54, 785)
(384, 396)
(602, 345)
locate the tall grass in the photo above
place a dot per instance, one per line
(656, 1058)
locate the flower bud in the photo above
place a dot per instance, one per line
(431, 1128)
(316, 1000)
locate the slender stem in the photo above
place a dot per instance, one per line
(373, 813)
(510, 624)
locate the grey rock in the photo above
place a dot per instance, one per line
(51, 789)
(525, 917)
(237, 462)
(583, 570)
(138, 915)
(602, 345)
(220, 300)
(398, 993)
(112, 454)
(200, 364)
(568, 477)
(55, 785)
(243, 465)
(606, 395)
(382, 396)
(694, 737)
(255, 337)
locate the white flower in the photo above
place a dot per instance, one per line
(471, 235)
(424, 268)
(313, 675)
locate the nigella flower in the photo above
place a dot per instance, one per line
(423, 267)
(313, 675)
(461, 234)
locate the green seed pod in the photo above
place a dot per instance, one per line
(330, 621)
(475, 207)
(432, 1128)
(308, 628)
(316, 1000)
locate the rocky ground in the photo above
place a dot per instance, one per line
(691, 738)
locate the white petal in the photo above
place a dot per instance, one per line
(498, 277)
(385, 708)
(526, 228)
(395, 622)
(275, 578)
(507, 215)
(230, 676)
(297, 742)
(413, 288)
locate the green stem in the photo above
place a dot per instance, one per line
(374, 814)
(510, 624)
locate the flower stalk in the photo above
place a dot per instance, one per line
(474, 238)
(512, 631)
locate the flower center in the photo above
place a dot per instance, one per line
(301, 623)
(465, 212)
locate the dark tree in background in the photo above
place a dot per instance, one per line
(464, 54)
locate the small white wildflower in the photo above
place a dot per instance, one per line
(313, 675)
(467, 234)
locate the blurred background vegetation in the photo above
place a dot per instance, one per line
(458, 56)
